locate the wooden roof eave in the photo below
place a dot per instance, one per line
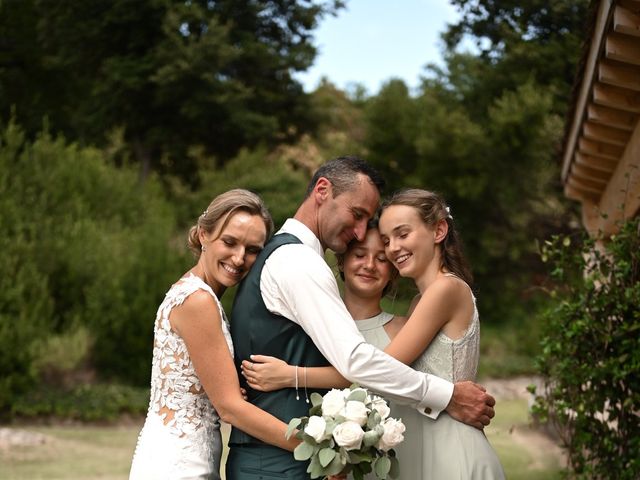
(588, 77)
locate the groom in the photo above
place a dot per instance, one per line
(289, 307)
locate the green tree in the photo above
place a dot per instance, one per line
(391, 131)
(172, 74)
(483, 131)
(537, 40)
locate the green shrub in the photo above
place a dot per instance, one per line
(99, 402)
(591, 352)
(83, 244)
(58, 355)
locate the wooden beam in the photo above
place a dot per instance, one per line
(631, 5)
(600, 133)
(621, 199)
(596, 163)
(619, 75)
(580, 195)
(601, 150)
(618, 98)
(626, 21)
(622, 48)
(598, 184)
(582, 186)
(611, 117)
(583, 171)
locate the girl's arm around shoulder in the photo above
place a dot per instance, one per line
(198, 322)
(434, 309)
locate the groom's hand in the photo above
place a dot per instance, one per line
(471, 404)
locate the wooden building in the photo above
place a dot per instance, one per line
(601, 154)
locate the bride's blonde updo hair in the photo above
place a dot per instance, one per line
(432, 208)
(221, 209)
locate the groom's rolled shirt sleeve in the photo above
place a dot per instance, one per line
(297, 283)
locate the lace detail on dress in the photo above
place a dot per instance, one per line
(453, 360)
(177, 396)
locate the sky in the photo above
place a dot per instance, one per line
(371, 41)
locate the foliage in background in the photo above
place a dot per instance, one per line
(172, 74)
(84, 244)
(87, 403)
(522, 41)
(591, 352)
(483, 130)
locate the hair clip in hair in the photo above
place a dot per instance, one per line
(448, 210)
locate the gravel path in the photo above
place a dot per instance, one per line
(14, 437)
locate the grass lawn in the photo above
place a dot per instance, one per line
(72, 452)
(91, 453)
(525, 454)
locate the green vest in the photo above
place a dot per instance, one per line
(255, 330)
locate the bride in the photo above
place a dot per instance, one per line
(194, 382)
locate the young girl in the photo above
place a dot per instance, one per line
(441, 336)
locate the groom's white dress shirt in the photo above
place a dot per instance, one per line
(297, 283)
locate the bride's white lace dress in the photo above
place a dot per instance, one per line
(180, 438)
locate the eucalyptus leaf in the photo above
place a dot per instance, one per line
(370, 438)
(394, 471)
(315, 469)
(381, 467)
(303, 451)
(374, 419)
(293, 424)
(316, 399)
(336, 466)
(357, 396)
(356, 457)
(325, 456)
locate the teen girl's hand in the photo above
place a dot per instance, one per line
(265, 373)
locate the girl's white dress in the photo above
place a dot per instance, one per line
(442, 448)
(181, 437)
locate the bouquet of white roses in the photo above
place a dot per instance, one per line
(348, 431)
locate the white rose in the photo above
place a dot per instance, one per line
(332, 402)
(393, 434)
(348, 435)
(380, 405)
(356, 412)
(316, 428)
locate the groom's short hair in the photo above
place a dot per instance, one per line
(343, 172)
